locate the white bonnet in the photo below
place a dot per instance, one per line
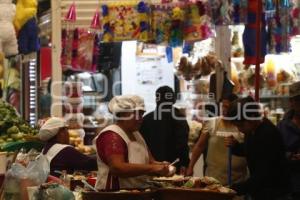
(126, 103)
(50, 128)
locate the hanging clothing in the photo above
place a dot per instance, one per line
(113, 140)
(66, 157)
(217, 153)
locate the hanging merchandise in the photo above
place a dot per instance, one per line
(28, 40)
(144, 22)
(295, 15)
(87, 51)
(26, 26)
(197, 22)
(278, 27)
(221, 12)
(69, 35)
(25, 10)
(107, 32)
(95, 24)
(161, 23)
(249, 35)
(177, 24)
(228, 12)
(8, 41)
(122, 21)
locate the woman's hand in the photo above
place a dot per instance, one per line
(160, 169)
(230, 141)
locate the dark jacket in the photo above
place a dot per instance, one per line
(264, 151)
(291, 137)
(71, 160)
(166, 136)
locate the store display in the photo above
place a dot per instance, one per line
(8, 41)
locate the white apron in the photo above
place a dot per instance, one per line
(54, 150)
(137, 154)
(217, 155)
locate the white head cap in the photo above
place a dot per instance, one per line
(51, 128)
(126, 103)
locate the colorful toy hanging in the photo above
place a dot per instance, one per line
(176, 31)
(107, 30)
(196, 23)
(161, 23)
(143, 18)
(249, 35)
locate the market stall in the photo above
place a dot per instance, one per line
(77, 29)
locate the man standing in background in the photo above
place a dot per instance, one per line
(166, 130)
(290, 130)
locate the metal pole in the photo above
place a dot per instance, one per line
(258, 47)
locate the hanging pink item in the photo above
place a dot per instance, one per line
(71, 15)
(95, 24)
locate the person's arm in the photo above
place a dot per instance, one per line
(119, 167)
(181, 134)
(78, 161)
(197, 152)
(112, 150)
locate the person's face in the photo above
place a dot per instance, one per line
(133, 120)
(225, 107)
(63, 136)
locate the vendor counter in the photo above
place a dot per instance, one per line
(159, 194)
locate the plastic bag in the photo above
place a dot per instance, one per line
(20, 176)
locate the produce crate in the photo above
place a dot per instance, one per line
(119, 195)
(191, 194)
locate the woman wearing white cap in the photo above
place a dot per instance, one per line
(60, 155)
(123, 157)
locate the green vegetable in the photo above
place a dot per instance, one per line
(13, 130)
